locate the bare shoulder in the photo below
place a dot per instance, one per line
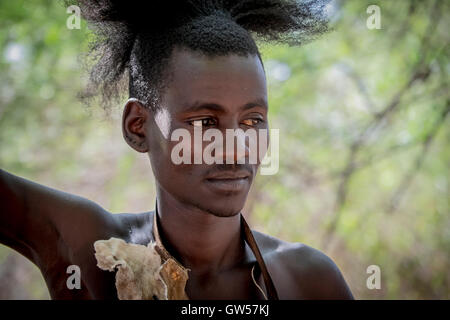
(82, 220)
(303, 272)
(136, 227)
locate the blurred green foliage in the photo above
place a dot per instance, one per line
(364, 141)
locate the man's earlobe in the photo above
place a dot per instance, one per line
(134, 118)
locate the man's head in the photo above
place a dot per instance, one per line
(225, 92)
(194, 64)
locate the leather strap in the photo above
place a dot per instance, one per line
(270, 287)
(248, 236)
(160, 247)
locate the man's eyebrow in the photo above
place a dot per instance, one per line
(198, 105)
(260, 102)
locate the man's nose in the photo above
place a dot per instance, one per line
(235, 147)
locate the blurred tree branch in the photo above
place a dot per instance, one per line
(420, 72)
(409, 176)
(360, 85)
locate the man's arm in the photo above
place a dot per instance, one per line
(44, 224)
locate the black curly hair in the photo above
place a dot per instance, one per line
(134, 39)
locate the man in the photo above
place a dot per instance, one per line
(198, 68)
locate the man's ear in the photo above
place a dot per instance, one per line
(134, 118)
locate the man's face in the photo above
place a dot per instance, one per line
(226, 92)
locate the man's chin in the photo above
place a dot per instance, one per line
(222, 209)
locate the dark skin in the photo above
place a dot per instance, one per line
(198, 208)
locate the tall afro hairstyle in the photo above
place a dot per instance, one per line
(134, 40)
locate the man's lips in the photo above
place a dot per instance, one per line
(228, 175)
(228, 181)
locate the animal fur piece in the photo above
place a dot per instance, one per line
(142, 274)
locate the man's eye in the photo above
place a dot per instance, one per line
(206, 122)
(251, 122)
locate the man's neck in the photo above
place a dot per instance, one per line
(202, 242)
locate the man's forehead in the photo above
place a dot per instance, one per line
(230, 80)
(185, 60)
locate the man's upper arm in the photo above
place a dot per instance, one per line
(41, 222)
(318, 276)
